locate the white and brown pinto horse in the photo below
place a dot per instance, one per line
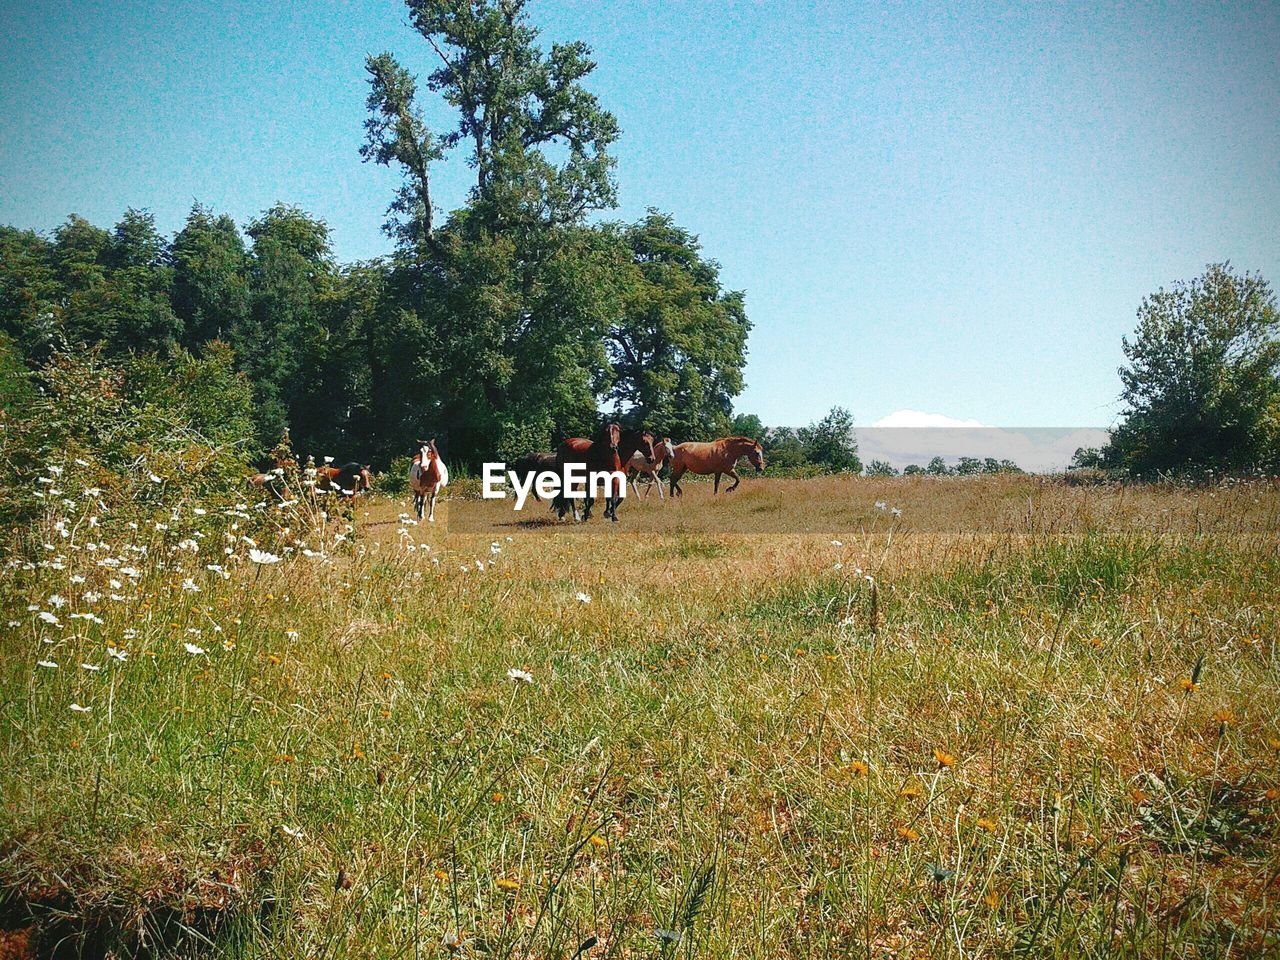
(650, 467)
(427, 477)
(718, 457)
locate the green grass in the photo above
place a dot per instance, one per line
(725, 753)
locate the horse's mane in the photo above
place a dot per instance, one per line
(750, 440)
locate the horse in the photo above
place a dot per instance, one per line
(534, 463)
(611, 448)
(347, 480)
(718, 457)
(274, 475)
(662, 452)
(427, 477)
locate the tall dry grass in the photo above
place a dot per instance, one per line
(1018, 717)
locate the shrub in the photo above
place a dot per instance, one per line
(138, 437)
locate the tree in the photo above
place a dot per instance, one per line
(29, 294)
(1088, 458)
(113, 286)
(679, 342)
(210, 277)
(513, 293)
(138, 289)
(938, 468)
(538, 140)
(783, 448)
(831, 443)
(748, 425)
(1202, 385)
(281, 337)
(395, 133)
(880, 468)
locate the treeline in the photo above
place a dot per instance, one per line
(498, 327)
(829, 445)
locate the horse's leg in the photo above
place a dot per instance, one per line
(657, 483)
(676, 474)
(635, 482)
(716, 487)
(586, 513)
(736, 480)
(417, 504)
(431, 515)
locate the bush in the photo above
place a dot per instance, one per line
(138, 438)
(394, 481)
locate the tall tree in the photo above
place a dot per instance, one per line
(511, 293)
(1202, 385)
(278, 340)
(396, 134)
(516, 105)
(210, 280)
(679, 343)
(139, 285)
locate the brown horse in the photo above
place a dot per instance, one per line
(347, 480)
(427, 477)
(718, 457)
(611, 448)
(273, 476)
(663, 451)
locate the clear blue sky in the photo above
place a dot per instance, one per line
(952, 208)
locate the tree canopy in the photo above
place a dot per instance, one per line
(1202, 382)
(500, 327)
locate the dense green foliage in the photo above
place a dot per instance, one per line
(500, 327)
(136, 436)
(825, 446)
(1202, 385)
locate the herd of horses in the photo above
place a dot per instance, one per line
(630, 454)
(639, 454)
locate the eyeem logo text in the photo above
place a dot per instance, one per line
(576, 483)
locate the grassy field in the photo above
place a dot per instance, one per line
(1019, 717)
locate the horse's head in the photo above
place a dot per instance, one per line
(611, 433)
(366, 478)
(645, 444)
(667, 449)
(755, 457)
(426, 451)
